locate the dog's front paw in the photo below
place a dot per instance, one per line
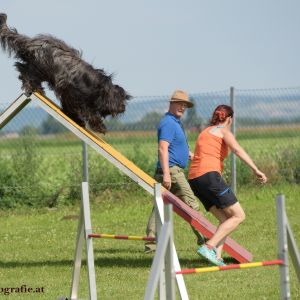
(97, 125)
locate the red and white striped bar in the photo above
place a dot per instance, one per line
(231, 267)
(122, 237)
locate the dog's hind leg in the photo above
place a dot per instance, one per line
(31, 78)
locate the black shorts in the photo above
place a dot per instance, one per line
(212, 190)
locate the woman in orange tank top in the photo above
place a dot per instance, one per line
(205, 178)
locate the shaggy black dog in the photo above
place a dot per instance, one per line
(87, 95)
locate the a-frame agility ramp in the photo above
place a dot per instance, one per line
(196, 219)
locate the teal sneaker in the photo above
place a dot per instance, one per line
(221, 262)
(210, 255)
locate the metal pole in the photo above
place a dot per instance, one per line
(89, 242)
(78, 256)
(158, 262)
(169, 267)
(159, 220)
(293, 250)
(283, 247)
(156, 272)
(85, 163)
(233, 128)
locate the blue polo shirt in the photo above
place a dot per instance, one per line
(170, 130)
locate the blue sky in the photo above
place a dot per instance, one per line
(154, 47)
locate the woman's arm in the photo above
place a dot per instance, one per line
(232, 143)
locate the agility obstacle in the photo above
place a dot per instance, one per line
(165, 263)
(232, 267)
(286, 245)
(121, 237)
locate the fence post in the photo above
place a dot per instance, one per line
(233, 128)
(283, 247)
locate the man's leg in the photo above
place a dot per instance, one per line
(181, 188)
(150, 230)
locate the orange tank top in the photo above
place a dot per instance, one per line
(210, 151)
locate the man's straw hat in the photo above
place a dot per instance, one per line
(181, 96)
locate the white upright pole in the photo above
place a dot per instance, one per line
(169, 267)
(293, 250)
(78, 257)
(89, 242)
(283, 247)
(159, 220)
(157, 272)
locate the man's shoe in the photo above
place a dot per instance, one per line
(150, 247)
(221, 262)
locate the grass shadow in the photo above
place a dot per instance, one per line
(103, 261)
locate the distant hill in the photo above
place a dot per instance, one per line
(257, 105)
(262, 105)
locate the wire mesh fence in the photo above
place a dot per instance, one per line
(41, 162)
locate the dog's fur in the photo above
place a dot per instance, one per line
(87, 95)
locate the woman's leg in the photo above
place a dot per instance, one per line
(229, 217)
(222, 217)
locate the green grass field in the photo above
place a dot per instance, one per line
(37, 245)
(37, 249)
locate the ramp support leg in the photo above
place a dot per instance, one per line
(84, 229)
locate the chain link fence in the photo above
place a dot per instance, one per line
(41, 162)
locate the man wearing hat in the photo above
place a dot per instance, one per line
(173, 156)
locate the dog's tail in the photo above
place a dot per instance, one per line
(3, 31)
(3, 18)
(10, 40)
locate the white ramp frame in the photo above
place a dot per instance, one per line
(166, 261)
(286, 245)
(84, 229)
(293, 249)
(283, 247)
(13, 109)
(161, 273)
